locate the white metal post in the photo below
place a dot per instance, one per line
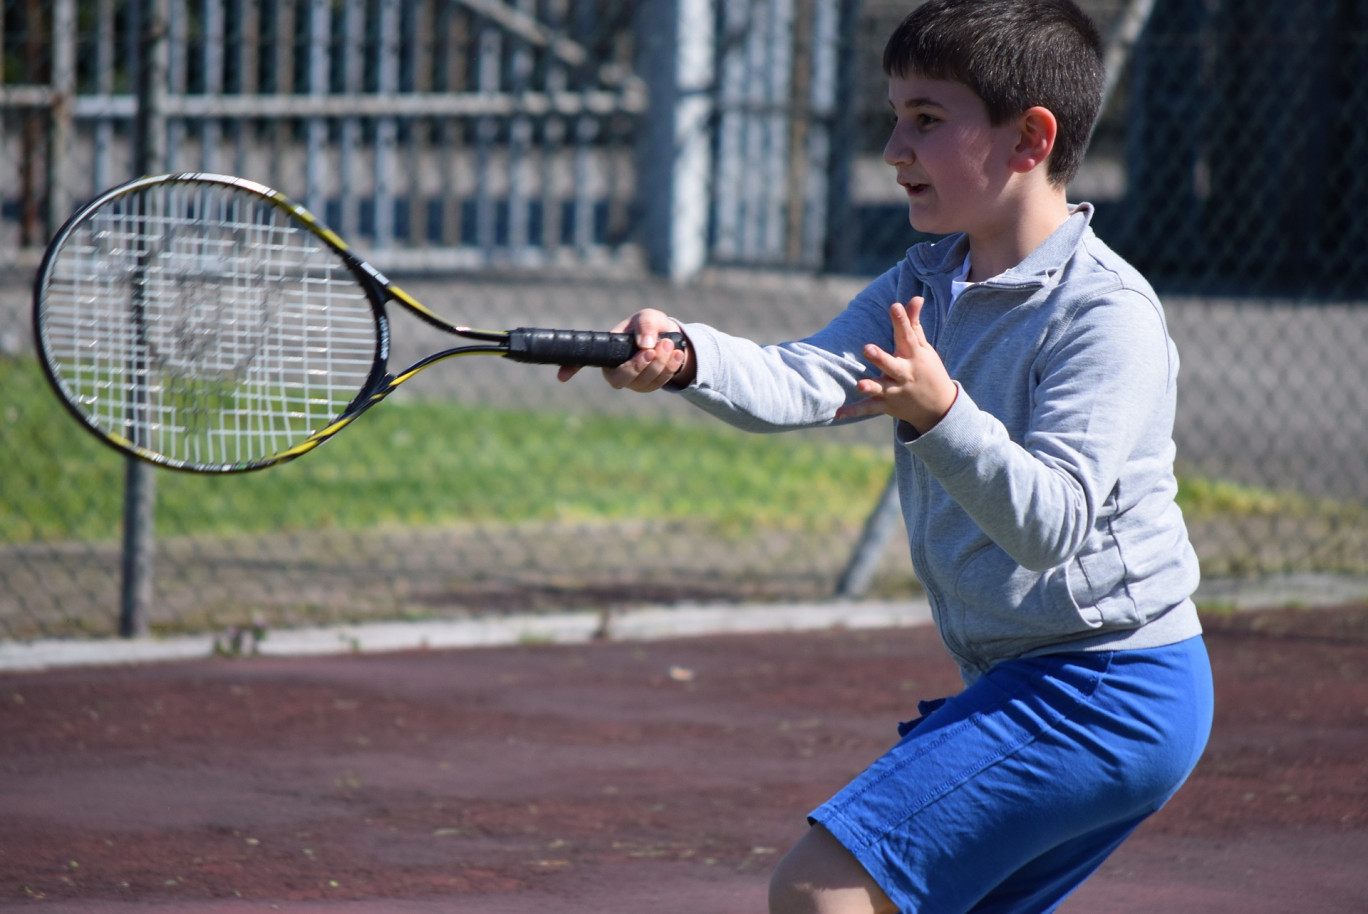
(677, 61)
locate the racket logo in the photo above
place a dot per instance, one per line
(213, 331)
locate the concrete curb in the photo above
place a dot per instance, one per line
(644, 624)
(641, 624)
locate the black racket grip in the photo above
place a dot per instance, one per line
(596, 348)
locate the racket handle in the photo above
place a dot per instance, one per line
(596, 348)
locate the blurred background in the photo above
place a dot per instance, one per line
(567, 162)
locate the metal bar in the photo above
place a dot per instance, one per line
(582, 210)
(139, 538)
(353, 51)
(386, 128)
(59, 191)
(416, 77)
(674, 163)
(360, 105)
(800, 129)
(25, 96)
(730, 168)
(177, 79)
(553, 141)
(840, 246)
(519, 144)
(521, 23)
(244, 41)
(449, 78)
(104, 84)
(825, 54)
(1121, 42)
(316, 129)
(282, 70)
(779, 66)
(31, 130)
(486, 131)
(585, 130)
(210, 131)
(753, 153)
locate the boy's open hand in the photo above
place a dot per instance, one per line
(656, 362)
(915, 386)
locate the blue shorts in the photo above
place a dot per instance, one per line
(1007, 796)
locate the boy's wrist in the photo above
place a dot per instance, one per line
(687, 371)
(927, 417)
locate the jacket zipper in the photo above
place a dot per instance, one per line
(949, 630)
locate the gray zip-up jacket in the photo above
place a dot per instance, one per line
(1040, 509)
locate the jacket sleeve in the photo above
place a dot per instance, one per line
(800, 384)
(1102, 408)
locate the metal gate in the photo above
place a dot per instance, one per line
(448, 133)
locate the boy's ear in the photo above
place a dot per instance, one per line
(1035, 140)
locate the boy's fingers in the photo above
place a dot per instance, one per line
(914, 310)
(628, 374)
(861, 408)
(648, 325)
(647, 370)
(881, 360)
(639, 372)
(902, 325)
(907, 320)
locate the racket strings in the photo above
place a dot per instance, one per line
(206, 324)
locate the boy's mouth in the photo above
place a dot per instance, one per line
(916, 190)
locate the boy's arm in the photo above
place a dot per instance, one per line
(798, 384)
(753, 386)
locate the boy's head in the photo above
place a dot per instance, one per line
(1014, 55)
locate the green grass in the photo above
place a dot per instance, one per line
(426, 463)
(1210, 497)
(431, 463)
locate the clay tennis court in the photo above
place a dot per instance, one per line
(663, 776)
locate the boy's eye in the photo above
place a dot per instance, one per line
(921, 120)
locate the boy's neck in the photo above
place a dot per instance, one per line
(1024, 227)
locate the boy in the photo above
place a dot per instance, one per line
(1031, 378)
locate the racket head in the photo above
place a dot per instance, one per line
(207, 323)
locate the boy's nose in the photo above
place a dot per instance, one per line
(896, 152)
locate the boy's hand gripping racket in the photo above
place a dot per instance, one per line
(210, 324)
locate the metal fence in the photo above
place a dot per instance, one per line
(718, 158)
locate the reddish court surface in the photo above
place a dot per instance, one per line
(665, 777)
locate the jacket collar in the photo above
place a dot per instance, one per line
(938, 262)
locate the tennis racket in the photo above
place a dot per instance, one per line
(210, 324)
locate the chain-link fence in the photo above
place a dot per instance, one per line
(566, 162)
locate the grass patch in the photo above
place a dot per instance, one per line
(1201, 499)
(423, 463)
(428, 463)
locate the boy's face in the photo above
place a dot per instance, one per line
(950, 161)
